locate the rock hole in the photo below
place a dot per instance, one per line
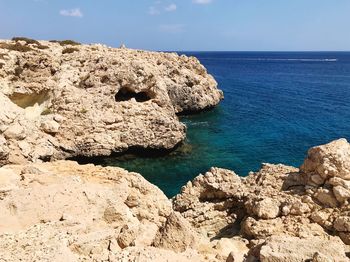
(125, 94)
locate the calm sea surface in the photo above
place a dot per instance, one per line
(276, 106)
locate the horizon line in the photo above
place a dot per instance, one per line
(256, 51)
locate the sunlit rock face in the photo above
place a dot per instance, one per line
(60, 100)
(63, 211)
(287, 214)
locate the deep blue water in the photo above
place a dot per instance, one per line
(276, 106)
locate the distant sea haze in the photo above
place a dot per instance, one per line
(276, 106)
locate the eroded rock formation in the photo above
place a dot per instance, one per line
(62, 211)
(287, 214)
(59, 100)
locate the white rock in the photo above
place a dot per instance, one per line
(50, 126)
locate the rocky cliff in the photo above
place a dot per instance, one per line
(62, 211)
(63, 99)
(286, 213)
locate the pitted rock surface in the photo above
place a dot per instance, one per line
(277, 201)
(93, 100)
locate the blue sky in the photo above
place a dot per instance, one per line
(235, 25)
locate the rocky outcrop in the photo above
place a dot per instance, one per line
(61, 99)
(92, 213)
(279, 209)
(62, 211)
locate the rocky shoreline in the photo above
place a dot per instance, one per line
(63, 99)
(63, 211)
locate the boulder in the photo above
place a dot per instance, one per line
(292, 249)
(176, 234)
(327, 161)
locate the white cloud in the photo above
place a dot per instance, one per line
(75, 12)
(172, 28)
(170, 8)
(153, 11)
(202, 2)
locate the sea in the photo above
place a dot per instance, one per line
(277, 105)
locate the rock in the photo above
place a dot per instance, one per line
(127, 236)
(176, 234)
(266, 208)
(9, 181)
(330, 160)
(326, 197)
(292, 249)
(97, 101)
(342, 224)
(4, 150)
(345, 236)
(231, 249)
(319, 257)
(277, 201)
(80, 208)
(62, 210)
(50, 127)
(203, 201)
(336, 181)
(15, 132)
(90, 213)
(341, 194)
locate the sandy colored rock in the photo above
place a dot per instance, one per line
(331, 160)
(176, 234)
(96, 100)
(266, 208)
(63, 211)
(277, 201)
(92, 213)
(77, 210)
(292, 249)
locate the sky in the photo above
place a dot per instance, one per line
(187, 25)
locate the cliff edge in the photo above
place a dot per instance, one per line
(61, 99)
(63, 211)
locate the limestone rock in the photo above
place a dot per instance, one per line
(277, 202)
(4, 150)
(62, 211)
(78, 209)
(15, 131)
(96, 100)
(292, 249)
(266, 208)
(176, 234)
(331, 160)
(50, 127)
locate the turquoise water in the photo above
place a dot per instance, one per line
(276, 106)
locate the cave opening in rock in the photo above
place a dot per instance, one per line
(125, 94)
